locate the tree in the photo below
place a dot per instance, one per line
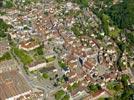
(59, 1)
(122, 14)
(40, 50)
(105, 23)
(8, 3)
(3, 28)
(59, 95)
(5, 56)
(130, 38)
(82, 3)
(124, 80)
(94, 87)
(66, 97)
(45, 75)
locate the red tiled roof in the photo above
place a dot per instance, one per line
(28, 44)
(98, 93)
(88, 65)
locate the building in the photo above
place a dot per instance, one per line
(8, 65)
(12, 86)
(100, 94)
(4, 47)
(37, 95)
(28, 45)
(36, 65)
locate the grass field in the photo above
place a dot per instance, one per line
(23, 56)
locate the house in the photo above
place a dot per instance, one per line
(4, 47)
(110, 76)
(13, 35)
(88, 65)
(34, 95)
(97, 95)
(50, 68)
(28, 45)
(13, 86)
(88, 78)
(71, 61)
(8, 65)
(65, 70)
(100, 94)
(79, 91)
(36, 65)
(72, 74)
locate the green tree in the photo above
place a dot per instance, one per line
(83, 3)
(94, 87)
(3, 28)
(124, 80)
(59, 95)
(8, 3)
(66, 97)
(105, 23)
(45, 75)
(122, 14)
(40, 50)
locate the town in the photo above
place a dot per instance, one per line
(59, 50)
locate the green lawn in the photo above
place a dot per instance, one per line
(5, 56)
(23, 56)
(50, 59)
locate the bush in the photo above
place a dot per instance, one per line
(59, 95)
(45, 75)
